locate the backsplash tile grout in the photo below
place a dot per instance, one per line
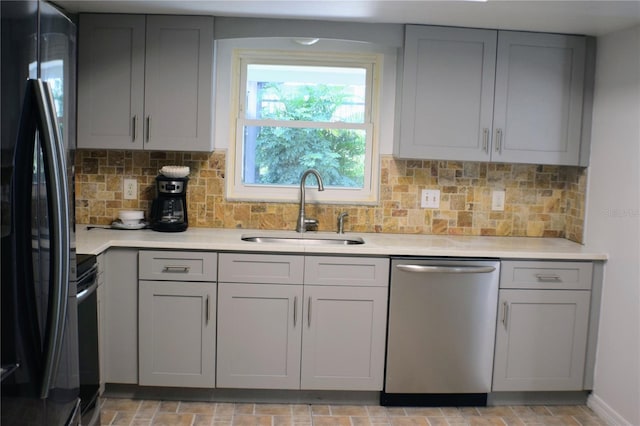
(541, 201)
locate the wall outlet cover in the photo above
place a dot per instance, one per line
(497, 200)
(130, 189)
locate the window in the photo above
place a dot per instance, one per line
(299, 111)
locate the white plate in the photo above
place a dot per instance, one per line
(120, 225)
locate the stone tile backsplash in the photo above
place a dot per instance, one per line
(541, 201)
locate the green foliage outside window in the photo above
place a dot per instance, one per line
(283, 153)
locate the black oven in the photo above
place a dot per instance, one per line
(87, 284)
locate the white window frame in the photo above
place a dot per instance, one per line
(237, 190)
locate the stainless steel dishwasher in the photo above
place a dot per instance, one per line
(442, 320)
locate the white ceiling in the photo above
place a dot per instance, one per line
(595, 17)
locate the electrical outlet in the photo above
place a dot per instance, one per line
(497, 201)
(130, 189)
(430, 199)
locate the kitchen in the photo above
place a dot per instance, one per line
(613, 388)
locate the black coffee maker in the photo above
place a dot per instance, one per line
(169, 209)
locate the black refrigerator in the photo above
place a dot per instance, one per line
(39, 326)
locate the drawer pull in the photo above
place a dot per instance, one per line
(309, 313)
(548, 278)
(176, 269)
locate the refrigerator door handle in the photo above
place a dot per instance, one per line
(60, 228)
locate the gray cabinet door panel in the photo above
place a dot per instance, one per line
(177, 323)
(541, 340)
(259, 336)
(447, 94)
(343, 342)
(538, 97)
(111, 81)
(178, 94)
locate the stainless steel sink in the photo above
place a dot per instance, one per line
(303, 239)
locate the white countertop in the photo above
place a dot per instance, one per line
(97, 240)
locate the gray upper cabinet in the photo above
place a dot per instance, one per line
(538, 98)
(447, 93)
(484, 95)
(145, 82)
(111, 81)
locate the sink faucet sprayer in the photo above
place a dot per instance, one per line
(303, 222)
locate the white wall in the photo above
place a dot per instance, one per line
(613, 224)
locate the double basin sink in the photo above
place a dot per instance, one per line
(302, 238)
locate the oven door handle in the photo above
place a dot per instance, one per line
(87, 292)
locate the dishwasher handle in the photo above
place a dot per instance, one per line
(446, 269)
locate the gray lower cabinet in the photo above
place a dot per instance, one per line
(145, 82)
(177, 318)
(343, 338)
(485, 95)
(542, 327)
(177, 330)
(259, 336)
(295, 322)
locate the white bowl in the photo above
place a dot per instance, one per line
(130, 217)
(175, 171)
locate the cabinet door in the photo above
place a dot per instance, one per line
(111, 81)
(179, 76)
(259, 332)
(541, 340)
(343, 341)
(538, 99)
(177, 329)
(447, 93)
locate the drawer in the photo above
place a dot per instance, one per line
(546, 275)
(261, 268)
(350, 271)
(177, 265)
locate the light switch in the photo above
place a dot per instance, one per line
(430, 199)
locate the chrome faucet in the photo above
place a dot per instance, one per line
(301, 225)
(341, 217)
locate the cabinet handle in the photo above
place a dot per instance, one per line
(175, 269)
(135, 125)
(148, 127)
(499, 140)
(295, 311)
(309, 312)
(207, 311)
(485, 140)
(505, 314)
(549, 278)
